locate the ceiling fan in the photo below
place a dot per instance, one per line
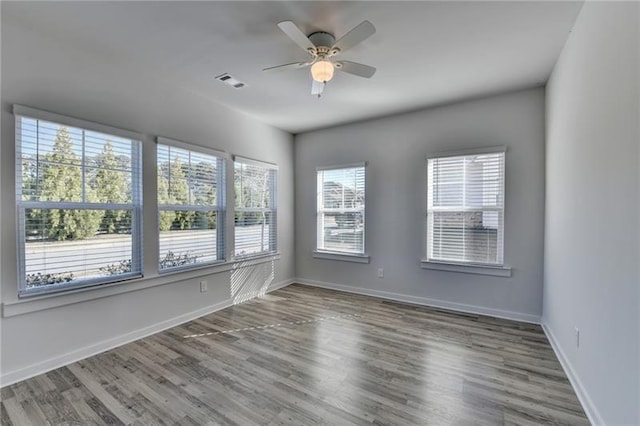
(323, 47)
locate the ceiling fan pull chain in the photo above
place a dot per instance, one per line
(324, 84)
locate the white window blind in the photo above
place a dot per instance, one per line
(465, 208)
(340, 209)
(190, 207)
(255, 207)
(79, 204)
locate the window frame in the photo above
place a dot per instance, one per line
(273, 202)
(135, 206)
(220, 208)
(496, 269)
(322, 253)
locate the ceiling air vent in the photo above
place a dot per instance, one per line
(227, 79)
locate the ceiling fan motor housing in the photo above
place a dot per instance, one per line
(322, 39)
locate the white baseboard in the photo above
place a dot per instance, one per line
(587, 403)
(281, 284)
(459, 307)
(96, 348)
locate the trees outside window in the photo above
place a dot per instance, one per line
(190, 205)
(255, 207)
(78, 204)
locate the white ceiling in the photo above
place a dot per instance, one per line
(427, 53)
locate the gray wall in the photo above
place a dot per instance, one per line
(395, 149)
(591, 275)
(41, 72)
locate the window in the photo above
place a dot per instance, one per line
(190, 206)
(465, 208)
(340, 209)
(78, 201)
(255, 207)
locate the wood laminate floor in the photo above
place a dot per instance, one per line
(306, 356)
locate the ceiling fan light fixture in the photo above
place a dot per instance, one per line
(322, 71)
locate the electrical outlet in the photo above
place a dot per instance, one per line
(577, 337)
(203, 286)
(380, 273)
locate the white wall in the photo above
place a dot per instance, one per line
(395, 149)
(591, 277)
(41, 72)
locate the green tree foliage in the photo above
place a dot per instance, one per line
(203, 183)
(165, 218)
(62, 181)
(173, 189)
(203, 188)
(29, 180)
(111, 187)
(251, 191)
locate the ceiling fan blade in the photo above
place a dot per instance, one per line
(294, 33)
(293, 65)
(357, 35)
(317, 87)
(355, 68)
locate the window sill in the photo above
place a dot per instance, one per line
(53, 300)
(345, 257)
(496, 271)
(242, 262)
(212, 267)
